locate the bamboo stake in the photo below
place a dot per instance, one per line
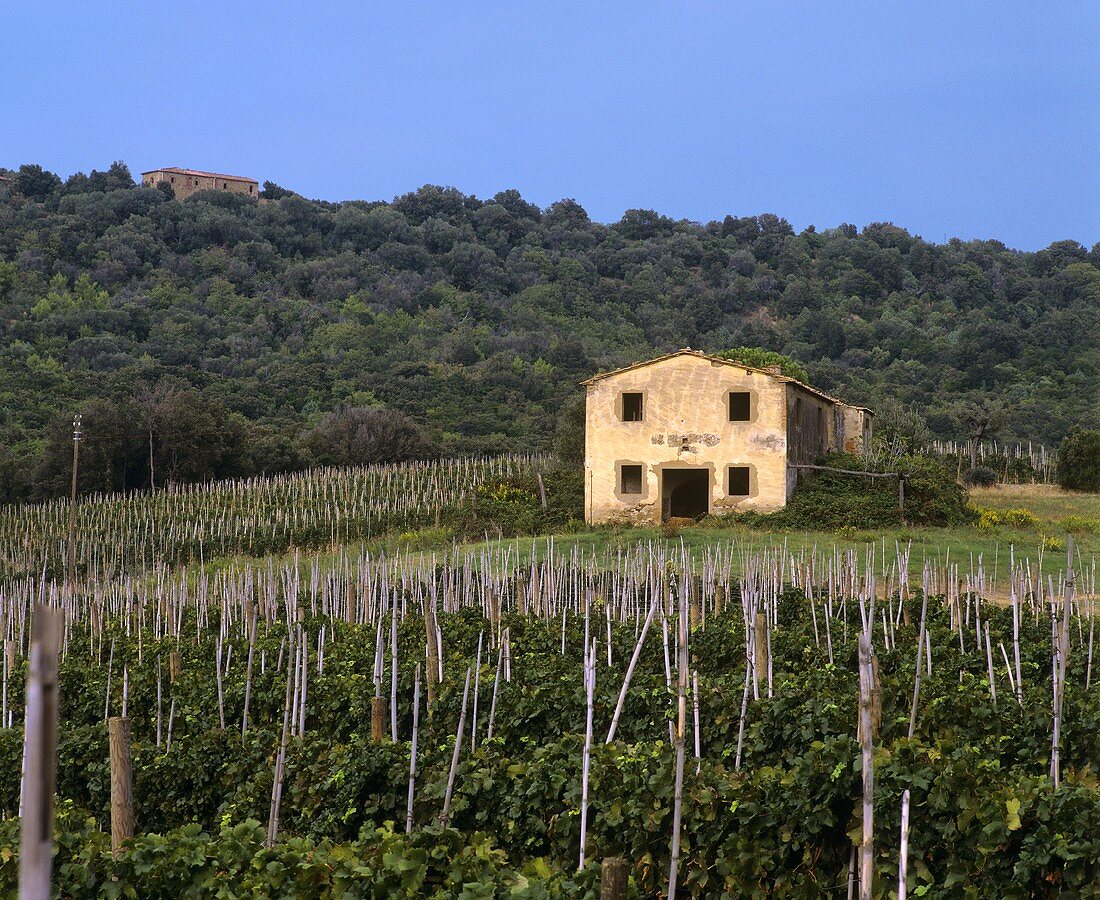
(218, 680)
(1061, 657)
(280, 757)
(393, 671)
(916, 677)
(248, 674)
(695, 730)
(477, 686)
(744, 702)
(989, 666)
(903, 856)
(445, 815)
(589, 687)
(432, 667)
(158, 699)
(630, 674)
(681, 728)
(412, 750)
(171, 719)
(496, 685)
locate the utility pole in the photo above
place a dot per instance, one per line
(78, 436)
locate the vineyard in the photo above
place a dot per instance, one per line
(254, 516)
(483, 723)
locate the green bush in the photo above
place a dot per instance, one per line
(980, 476)
(1079, 460)
(1080, 524)
(832, 500)
(235, 862)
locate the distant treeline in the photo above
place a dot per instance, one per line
(212, 337)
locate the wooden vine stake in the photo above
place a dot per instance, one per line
(40, 755)
(613, 878)
(122, 785)
(378, 719)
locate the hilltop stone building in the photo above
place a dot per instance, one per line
(186, 182)
(688, 434)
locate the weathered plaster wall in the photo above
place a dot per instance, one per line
(686, 424)
(856, 435)
(811, 430)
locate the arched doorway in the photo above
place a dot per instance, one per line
(685, 493)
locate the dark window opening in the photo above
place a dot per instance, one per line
(630, 480)
(738, 481)
(739, 406)
(632, 407)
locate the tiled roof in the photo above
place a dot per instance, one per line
(718, 360)
(200, 174)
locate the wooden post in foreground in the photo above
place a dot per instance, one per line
(122, 794)
(866, 688)
(378, 719)
(613, 878)
(760, 646)
(40, 755)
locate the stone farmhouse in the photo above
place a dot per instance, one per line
(186, 182)
(688, 434)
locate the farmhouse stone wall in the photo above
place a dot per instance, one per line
(685, 425)
(185, 182)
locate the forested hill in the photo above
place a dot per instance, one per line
(478, 317)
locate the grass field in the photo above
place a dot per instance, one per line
(1047, 501)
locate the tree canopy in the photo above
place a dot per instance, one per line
(476, 318)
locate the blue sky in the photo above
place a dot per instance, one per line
(950, 119)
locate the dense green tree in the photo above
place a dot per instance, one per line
(478, 318)
(569, 432)
(359, 436)
(1079, 460)
(35, 183)
(759, 358)
(899, 426)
